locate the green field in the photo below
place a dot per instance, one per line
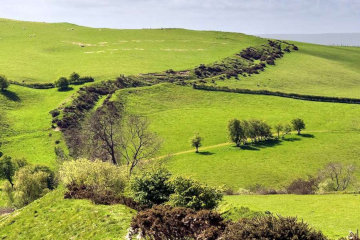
(29, 123)
(53, 217)
(314, 69)
(335, 215)
(42, 52)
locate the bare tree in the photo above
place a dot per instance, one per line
(103, 132)
(340, 175)
(137, 143)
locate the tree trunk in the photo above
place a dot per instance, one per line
(197, 149)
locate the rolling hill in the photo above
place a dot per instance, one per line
(42, 52)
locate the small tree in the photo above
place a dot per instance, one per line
(7, 169)
(236, 131)
(74, 77)
(62, 84)
(339, 176)
(278, 128)
(196, 142)
(298, 125)
(4, 83)
(287, 129)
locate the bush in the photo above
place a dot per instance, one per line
(270, 227)
(97, 175)
(4, 83)
(30, 183)
(165, 222)
(62, 84)
(104, 198)
(192, 194)
(302, 186)
(153, 187)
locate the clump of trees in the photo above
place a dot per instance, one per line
(63, 83)
(4, 83)
(240, 131)
(156, 187)
(255, 130)
(25, 183)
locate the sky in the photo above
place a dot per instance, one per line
(247, 16)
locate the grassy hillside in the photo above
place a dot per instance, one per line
(28, 133)
(335, 215)
(42, 52)
(177, 113)
(314, 69)
(53, 217)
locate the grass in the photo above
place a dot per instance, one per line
(176, 113)
(314, 69)
(334, 215)
(53, 217)
(42, 52)
(29, 123)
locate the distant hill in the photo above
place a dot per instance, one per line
(337, 39)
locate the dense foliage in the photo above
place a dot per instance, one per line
(97, 175)
(30, 183)
(166, 222)
(152, 187)
(191, 194)
(271, 227)
(62, 84)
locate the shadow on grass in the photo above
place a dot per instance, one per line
(307, 135)
(10, 95)
(291, 139)
(248, 147)
(66, 90)
(206, 153)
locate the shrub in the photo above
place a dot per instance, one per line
(97, 175)
(165, 222)
(30, 183)
(270, 227)
(302, 186)
(9, 166)
(62, 84)
(4, 83)
(192, 194)
(298, 125)
(104, 198)
(196, 142)
(74, 77)
(153, 187)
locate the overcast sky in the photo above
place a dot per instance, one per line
(248, 16)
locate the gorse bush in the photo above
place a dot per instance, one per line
(97, 175)
(270, 227)
(30, 183)
(152, 187)
(191, 194)
(165, 222)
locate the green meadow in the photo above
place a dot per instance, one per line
(335, 215)
(314, 69)
(43, 52)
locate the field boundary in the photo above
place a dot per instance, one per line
(279, 94)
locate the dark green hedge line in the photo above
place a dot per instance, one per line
(80, 81)
(279, 94)
(34, 85)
